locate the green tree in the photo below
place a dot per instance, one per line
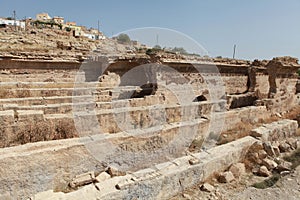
(180, 50)
(157, 47)
(123, 38)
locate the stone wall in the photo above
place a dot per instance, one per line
(38, 65)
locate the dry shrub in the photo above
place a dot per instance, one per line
(33, 132)
(41, 131)
(241, 130)
(22, 93)
(49, 80)
(65, 129)
(4, 136)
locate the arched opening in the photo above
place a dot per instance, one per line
(146, 90)
(200, 98)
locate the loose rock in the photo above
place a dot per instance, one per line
(263, 171)
(284, 166)
(238, 169)
(226, 177)
(206, 187)
(284, 147)
(83, 179)
(270, 164)
(194, 161)
(262, 154)
(115, 172)
(187, 196)
(269, 149)
(276, 151)
(292, 142)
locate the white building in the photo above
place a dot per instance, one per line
(44, 17)
(90, 36)
(9, 22)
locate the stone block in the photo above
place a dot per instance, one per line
(103, 177)
(270, 164)
(206, 187)
(30, 115)
(263, 171)
(284, 147)
(82, 179)
(226, 177)
(112, 171)
(276, 131)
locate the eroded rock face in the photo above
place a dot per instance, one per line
(282, 80)
(276, 131)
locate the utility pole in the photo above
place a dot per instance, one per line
(25, 20)
(98, 29)
(14, 16)
(234, 49)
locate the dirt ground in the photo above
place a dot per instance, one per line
(287, 188)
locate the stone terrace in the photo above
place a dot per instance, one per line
(51, 116)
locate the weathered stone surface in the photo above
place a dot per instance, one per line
(252, 157)
(49, 195)
(194, 161)
(206, 187)
(82, 179)
(187, 196)
(284, 166)
(103, 177)
(276, 150)
(269, 149)
(263, 171)
(276, 131)
(282, 87)
(292, 142)
(238, 169)
(270, 164)
(112, 171)
(125, 184)
(284, 147)
(241, 100)
(262, 154)
(226, 177)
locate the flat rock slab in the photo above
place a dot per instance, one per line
(276, 131)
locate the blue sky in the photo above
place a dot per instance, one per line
(261, 28)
